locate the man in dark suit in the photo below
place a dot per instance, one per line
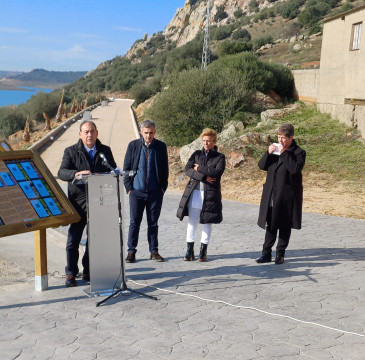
(282, 196)
(146, 156)
(80, 159)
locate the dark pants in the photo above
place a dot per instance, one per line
(152, 202)
(270, 238)
(72, 249)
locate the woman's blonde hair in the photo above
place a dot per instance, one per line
(209, 132)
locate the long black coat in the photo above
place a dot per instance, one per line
(212, 165)
(75, 159)
(284, 182)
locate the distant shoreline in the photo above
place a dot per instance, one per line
(6, 85)
(10, 87)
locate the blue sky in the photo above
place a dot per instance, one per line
(75, 35)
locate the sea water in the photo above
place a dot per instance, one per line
(16, 97)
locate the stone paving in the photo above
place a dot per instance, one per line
(227, 308)
(311, 307)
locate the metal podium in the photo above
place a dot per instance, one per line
(104, 234)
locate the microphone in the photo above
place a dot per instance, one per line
(105, 161)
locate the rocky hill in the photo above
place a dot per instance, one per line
(191, 19)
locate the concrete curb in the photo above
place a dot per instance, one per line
(135, 123)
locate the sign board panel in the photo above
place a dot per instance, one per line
(4, 145)
(31, 198)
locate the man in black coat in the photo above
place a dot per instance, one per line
(147, 157)
(282, 196)
(80, 159)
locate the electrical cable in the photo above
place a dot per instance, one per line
(252, 308)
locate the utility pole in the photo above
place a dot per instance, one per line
(206, 49)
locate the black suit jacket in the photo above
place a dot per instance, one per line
(75, 159)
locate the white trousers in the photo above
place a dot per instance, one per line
(194, 216)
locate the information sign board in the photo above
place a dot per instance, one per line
(31, 198)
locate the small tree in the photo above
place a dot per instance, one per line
(47, 122)
(59, 111)
(220, 14)
(26, 132)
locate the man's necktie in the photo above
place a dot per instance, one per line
(91, 155)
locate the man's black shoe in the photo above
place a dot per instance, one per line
(70, 281)
(131, 257)
(86, 277)
(279, 260)
(263, 259)
(157, 257)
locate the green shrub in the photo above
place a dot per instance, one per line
(284, 79)
(142, 91)
(253, 72)
(241, 34)
(289, 9)
(314, 29)
(233, 47)
(253, 6)
(263, 40)
(197, 99)
(11, 120)
(315, 10)
(264, 14)
(238, 13)
(220, 14)
(41, 102)
(221, 32)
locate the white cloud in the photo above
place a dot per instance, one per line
(10, 30)
(126, 28)
(76, 49)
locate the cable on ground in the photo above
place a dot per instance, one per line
(251, 308)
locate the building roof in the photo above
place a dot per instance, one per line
(344, 13)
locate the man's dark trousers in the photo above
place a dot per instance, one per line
(270, 238)
(72, 249)
(152, 202)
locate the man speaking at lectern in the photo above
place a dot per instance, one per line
(83, 158)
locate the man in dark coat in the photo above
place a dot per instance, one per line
(80, 159)
(147, 157)
(282, 196)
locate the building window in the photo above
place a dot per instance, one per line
(356, 36)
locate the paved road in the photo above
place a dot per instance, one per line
(311, 307)
(115, 126)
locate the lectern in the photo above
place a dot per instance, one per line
(103, 234)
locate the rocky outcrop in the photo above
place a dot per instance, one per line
(269, 114)
(190, 19)
(231, 142)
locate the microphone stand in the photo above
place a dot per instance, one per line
(123, 286)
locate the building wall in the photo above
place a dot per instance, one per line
(342, 70)
(338, 86)
(306, 84)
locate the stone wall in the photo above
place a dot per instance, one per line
(307, 85)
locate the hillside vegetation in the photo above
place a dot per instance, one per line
(155, 63)
(333, 174)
